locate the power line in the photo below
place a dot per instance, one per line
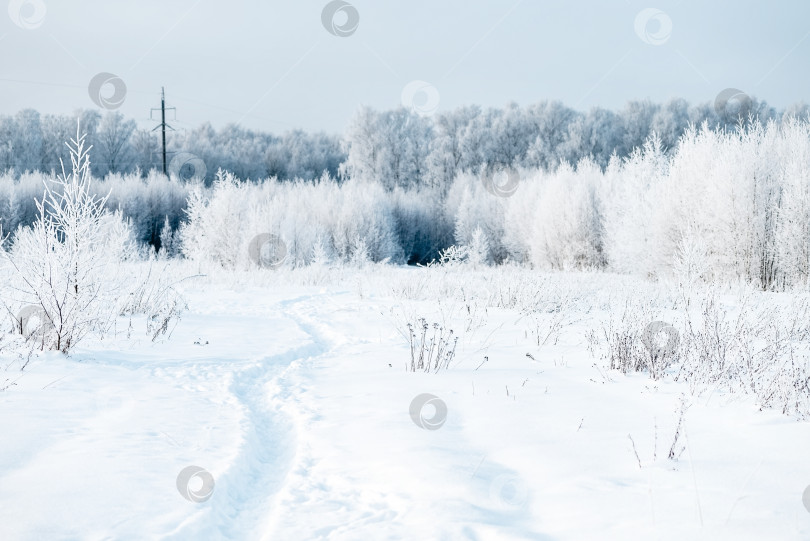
(163, 124)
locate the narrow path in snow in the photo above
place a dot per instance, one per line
(290, 393)
(247, 492)
(352, 492)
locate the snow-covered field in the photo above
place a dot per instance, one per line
(294, 403)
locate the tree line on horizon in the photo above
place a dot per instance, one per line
(397, 147)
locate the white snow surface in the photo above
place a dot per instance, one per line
(296, 400)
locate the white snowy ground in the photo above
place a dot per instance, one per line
(297, 403)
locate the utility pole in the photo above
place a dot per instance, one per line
(163, 124)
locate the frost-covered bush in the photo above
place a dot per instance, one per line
(554, 221)
(755, 346)
(750, 343)
(350, 222)
(626, 340)
(66, 265)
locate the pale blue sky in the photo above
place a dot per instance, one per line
(273, 66)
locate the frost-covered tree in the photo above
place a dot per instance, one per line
(56, 129)
(566, 226)
(597, 135)
(114, 151)
(448, 154)
(473, 207)
(169, 244)
(146, 152)
(27, 141)
(637, 120)
(511, 132)
(66, 264)
(390, 147)
(213, 232)
(670, 121)
(477, 251)
(552, 119)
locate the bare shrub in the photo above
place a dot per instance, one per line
(432, 346)
(626, 342)
(762, 350)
